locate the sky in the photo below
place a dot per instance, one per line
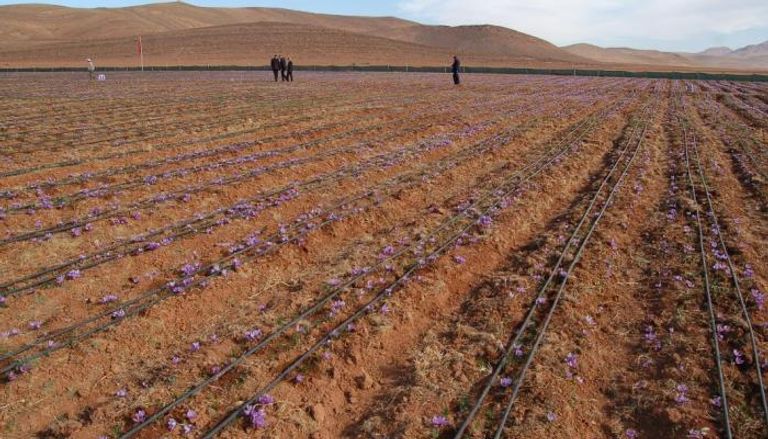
(672, 25)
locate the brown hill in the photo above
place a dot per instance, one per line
(620, 55)
(47, 23)
(179, 33)
(483, 40)
(246, 44)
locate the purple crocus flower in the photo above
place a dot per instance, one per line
(758, 297)
(187, 428)
(195, 346)
(140, 416)
(571, 360)
(551, 416)
(298, 379)
(505, 382)
(439, 421)
(35, 324)
(171, 424)
(108, 299)
(738, 357)
(459, 259)
(266, 399)
(256, 416)
(631, 433)
(72, 274)
(119, 314)
(682, 394)
(716, 401)
(253, 334)
(191, 415)
(2, 300)
(121, 393)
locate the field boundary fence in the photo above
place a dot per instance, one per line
(414, 69)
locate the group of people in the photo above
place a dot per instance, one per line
(283, 65)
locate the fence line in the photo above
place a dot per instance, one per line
(413, 69)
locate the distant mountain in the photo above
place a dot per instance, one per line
(753, 57)
(180, 33)
(716, 51)
(56, 35)
(622, 55)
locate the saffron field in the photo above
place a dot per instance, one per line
(382, 256)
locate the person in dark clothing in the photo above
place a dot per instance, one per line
(275, 64)
(282, 68)
(455, 69)
(289, 70)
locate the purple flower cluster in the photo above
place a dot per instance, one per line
(257, 416)
(253, 334)
(439, 421)
(571, 360)
(758, 297)
(681, 394)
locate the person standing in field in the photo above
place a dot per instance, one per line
(455, 69)
(275, 64)
(283, 67)
(289, 70)
(91, 69)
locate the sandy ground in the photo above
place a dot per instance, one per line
(151, 223)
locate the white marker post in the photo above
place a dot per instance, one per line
(141, 53)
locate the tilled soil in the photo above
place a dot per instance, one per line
(355, 255)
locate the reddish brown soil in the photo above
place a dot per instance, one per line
(413, 150)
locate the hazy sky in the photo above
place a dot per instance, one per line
(679, 25)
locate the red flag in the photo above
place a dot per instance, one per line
(138, 45)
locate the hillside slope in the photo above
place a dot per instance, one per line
(49, 23)
(623, 55)
(245, 44)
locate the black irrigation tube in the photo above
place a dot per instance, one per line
(639, 135)
(311, 310)
(68, 199)
(734, 278)
(180, 126)
(494, 195)
(708, 294)
(748, 77)
(736, 129)
(173, 195)
(148, 119)
(153, 292)
(72, 198)
(156, 148)
(167, 196)
(161, 147)
(191, 155)
(156, 112)
(183, 227)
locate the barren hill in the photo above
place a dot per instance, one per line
(36, 23)
(483, 40)
(754, 57)
(179, 33)
(623, 55)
